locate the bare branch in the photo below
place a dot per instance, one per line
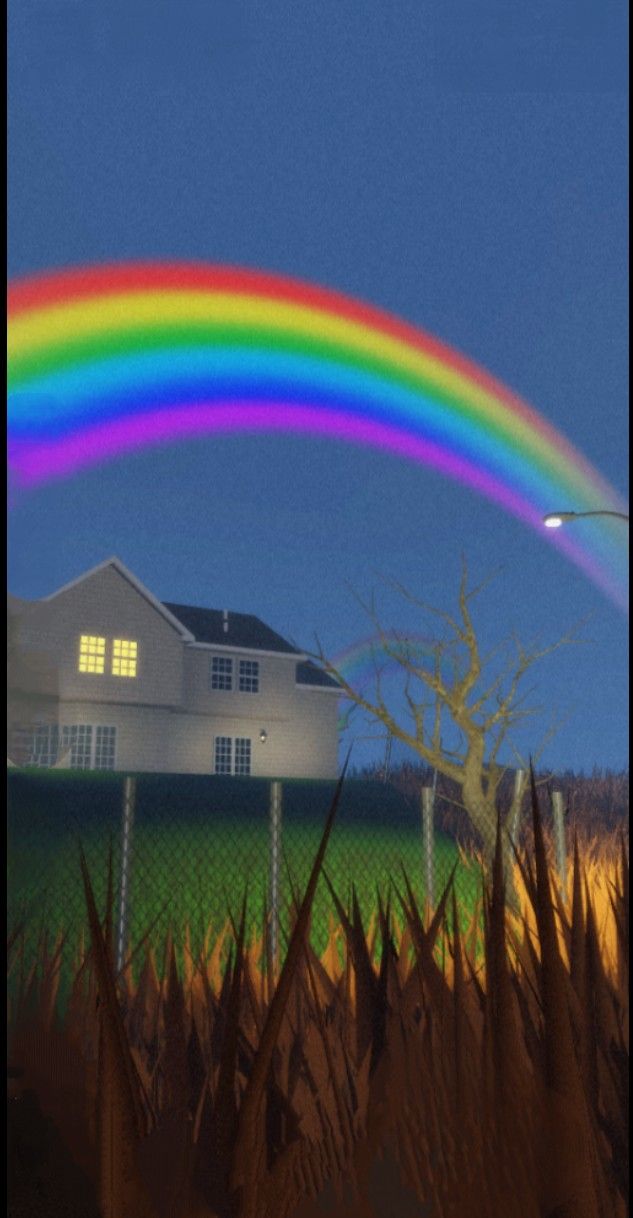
(485, 712)
(380, 712)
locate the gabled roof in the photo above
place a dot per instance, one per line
(136, 584)
(309, 674)
(244, 630)
(206, 626)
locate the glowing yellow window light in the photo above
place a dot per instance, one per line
(91, 653)
(124, 657)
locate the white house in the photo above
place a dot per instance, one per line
(103, 675)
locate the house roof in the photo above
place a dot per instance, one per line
(309, 674)
(244, 630)
(198, 625)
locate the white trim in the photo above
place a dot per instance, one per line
(251, 651)
(233, 741)
(114, 728)
(136, 584)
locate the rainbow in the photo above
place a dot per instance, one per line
(360, 662)
(108, 359)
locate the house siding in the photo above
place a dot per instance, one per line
(167, 717)
(301, 739)
(106, 604)
(301, 723)
(143, 733)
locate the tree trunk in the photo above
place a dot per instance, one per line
(482, 812)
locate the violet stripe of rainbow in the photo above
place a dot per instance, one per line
(130, 393)
(98, 443)
(93, 303)
(134, 384)
(71, 412)
(70, 326)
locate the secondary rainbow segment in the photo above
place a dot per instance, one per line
(360, 663)
(105, 360)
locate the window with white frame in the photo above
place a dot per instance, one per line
(45, 745)
(223, 754)
(249, 676)
(221, 672)
(21, 748)
(105, 748)
(90, 748)
(78, 737)
(242, 755)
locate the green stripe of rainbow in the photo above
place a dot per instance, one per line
(103, 360)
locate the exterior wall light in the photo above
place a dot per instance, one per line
(263, 735)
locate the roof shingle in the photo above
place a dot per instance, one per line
(309, 674)
(244, 630)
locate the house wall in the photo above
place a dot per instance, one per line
(302, 736)
(301, 724)
(158, 740)
(167, 717)
(143, 733)
(107, 605)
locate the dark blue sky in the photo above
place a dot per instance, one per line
(440, 160)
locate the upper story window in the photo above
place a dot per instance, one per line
(124, 658)
(221, 672)
(91, 653)
(249, 676)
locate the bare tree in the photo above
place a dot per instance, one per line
(483, 708)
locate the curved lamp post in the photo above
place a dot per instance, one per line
(554, 520)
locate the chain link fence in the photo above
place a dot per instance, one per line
(185, 848)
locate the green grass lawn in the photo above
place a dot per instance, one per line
(199, 874)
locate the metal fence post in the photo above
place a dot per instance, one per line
(559, 838)
(274, 869)
(519, 783)
(513, 833)
(427, 840)
(129, 799)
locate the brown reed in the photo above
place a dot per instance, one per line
(426, 1083)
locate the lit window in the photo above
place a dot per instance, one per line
(124, 657)
(91, 653)
(249, 676)
(221, 672)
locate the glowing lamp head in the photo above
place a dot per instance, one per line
(553, 520)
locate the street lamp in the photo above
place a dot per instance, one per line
(554, 520)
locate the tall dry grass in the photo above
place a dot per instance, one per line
(431, 1082)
